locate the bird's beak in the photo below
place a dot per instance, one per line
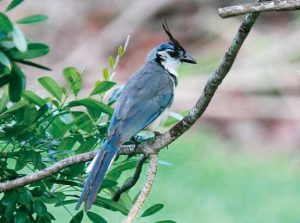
(188, 59)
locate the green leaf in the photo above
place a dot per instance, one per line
(95, 218)
(66, 202)
(5, 79)
(32, 64)
(9, 212)
(30, 115)
(33, 19)
(103, 202)
(58, 128)
(95, 108)
(87, 145)
(111, 61)
(39, 208)
(5, 24)
(67, 144)
(25, 197)
(105, 74)
(33, 50)
(74, 171)
(108, 183)
(77, 218)
(21, 217)
(4, 99)
(7, 44)
(4, 60)
(165, 221)
(16, 109)
(51, 197)
(120, 50)
(102, 87)
(13, 4)
(9, 198)
(33, 98)
(20, 164)
(19, 39)
(83, 121)
(152, 210)
(51, 86)
(74, 79)
(16, 84)
(116, 172)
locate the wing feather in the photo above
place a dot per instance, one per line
(146, 95)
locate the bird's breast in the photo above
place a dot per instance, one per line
(159, 121)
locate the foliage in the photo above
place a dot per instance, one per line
(16, 49)
(37, 131)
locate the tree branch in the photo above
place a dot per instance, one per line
(145, 191)
(165, 139)
(276, 5)
(126, 186)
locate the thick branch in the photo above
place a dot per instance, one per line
(276, 5)
(126, 186)
(145, 191)
(55, 168)
(162, 141)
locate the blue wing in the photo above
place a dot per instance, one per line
(147, 94)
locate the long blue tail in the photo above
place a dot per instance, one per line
(104, 158)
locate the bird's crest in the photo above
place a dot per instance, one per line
(171, 37)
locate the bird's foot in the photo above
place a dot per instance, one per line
(135, 141)
(156, 134)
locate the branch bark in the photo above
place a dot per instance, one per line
(165, 139)
(276, 5)
(145, 191)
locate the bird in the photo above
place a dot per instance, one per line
(143, 104)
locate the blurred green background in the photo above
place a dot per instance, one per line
(240, 163)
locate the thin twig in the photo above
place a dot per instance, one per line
(145, 191)
(126, 186)
(276, 5)
(165, 139)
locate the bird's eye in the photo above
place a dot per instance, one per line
(173, 53)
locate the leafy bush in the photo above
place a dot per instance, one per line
(15, 49)
(36, 132)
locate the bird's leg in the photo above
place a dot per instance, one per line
(135, 141)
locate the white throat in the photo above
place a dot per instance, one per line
(171, 66)
(169, 63)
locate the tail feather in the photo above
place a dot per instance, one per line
(104, 158)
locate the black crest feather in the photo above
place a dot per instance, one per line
(171, 37)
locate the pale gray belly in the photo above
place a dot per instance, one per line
(159, 121)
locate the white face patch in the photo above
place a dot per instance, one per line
(169, 63)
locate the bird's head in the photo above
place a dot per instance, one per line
(170, 54)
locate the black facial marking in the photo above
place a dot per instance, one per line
(159, 58)
(174, 78)
(173, 53)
